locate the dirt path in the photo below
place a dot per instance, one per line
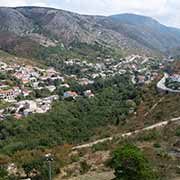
(154, 106)
(161, 124)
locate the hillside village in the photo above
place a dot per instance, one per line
(25, 89)
(141, 68)
(90, 91)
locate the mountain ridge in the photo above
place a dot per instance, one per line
(50, 27)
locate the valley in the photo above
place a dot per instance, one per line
(78, 91)
(81, 91)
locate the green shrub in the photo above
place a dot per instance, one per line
(100, 147)
(84, 167)
(75, 158)
(130, 163)
(149, 135)
(156, 145)
(178, 132)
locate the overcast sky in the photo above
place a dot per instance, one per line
(166, 11)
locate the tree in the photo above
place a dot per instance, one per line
(130, 163)
(42, 93)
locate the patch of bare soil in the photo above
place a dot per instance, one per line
(94, 176)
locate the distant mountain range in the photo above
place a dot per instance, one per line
(24, 27)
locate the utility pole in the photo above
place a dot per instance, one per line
(50, 171)
(49, 159)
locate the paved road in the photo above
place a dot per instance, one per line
(161, 124)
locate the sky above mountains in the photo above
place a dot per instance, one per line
(165, 11)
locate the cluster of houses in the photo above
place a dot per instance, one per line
(10, 94)
(26, 107)
(74, 95)
(30, 79)
(142, 69)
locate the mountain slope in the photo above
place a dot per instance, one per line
(148, 31)
(33, 26)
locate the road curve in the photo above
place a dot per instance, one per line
(160, 124)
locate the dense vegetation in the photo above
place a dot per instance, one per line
(69, 121)
(9, 79)
(130, 163)
(79, 50)
(175, 85)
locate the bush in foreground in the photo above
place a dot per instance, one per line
(130, 163)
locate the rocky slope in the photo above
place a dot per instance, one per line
(27, 26)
